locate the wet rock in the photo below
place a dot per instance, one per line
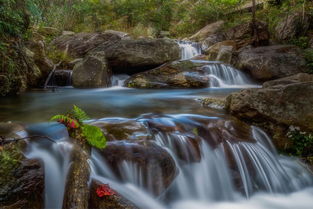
(243, 34)
(92, 72)
(79, 44)
(211, 40)
(180, 74)
(152, 163)
(62, 78)
(292, 26)
(221, 51)
(76, 190)
(115, 201)
(207, 31)
(276, 106)
(22, 179)
(271, 62)
(133, 56)
(122, 129)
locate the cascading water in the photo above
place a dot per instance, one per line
(222, 75)
(189, 49)
(224, 169)
(118, 80)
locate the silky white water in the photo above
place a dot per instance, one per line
(189, 49)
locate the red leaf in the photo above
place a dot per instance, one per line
(104, 190)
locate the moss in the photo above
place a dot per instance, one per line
(10, 159)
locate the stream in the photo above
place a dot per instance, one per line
(219, 163)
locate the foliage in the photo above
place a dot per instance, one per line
(74, 121)
(302, 42)
(302, 142)
(308, 55)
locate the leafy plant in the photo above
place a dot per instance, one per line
(308, 55)
(302, 142)
(74, 121)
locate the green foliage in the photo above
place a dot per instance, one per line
(79, 114)
(302, 142)
(308, 55)
(74, 121)
(302, 42)
(94, 136)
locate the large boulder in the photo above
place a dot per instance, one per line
(292, 26)
(243, 34)
(79, 44)
(133, 56)
(179, 74)
(276, 106)
(207, 31)
(152, 163)
(271, 62)
(92, 72)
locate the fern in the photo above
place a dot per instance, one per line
(79, 114)
(66, 120)
(94, 136)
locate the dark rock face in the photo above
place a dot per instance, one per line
(122, 129)
(180, 74)
(92, 72)
(133, 56)
(156, 165)
(115, 201)
(22, 180)
(79, 44)
(271, 62)
(207, 31)
(292, 26)
(276, 106)
(243, 34)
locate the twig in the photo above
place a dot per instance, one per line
(4, 141)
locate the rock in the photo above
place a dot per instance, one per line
(115, 201)
(61, 78)
(133, 56)
(76, 195)
(49, 31)
(68, 33)
(298, 78)
(215, 103)
(12, 130)
(153, 164)
(44, 64)
(292, 26)
(207, 31)
(221, 51)
(92, 72)
(122, 129)
(79, 44)
(22, 180)
(271, 62)
(276, 106)
(242, 34)
(211, 40)
(180, 74)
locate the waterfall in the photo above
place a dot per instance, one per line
(223, 76)
(119, 79)
(189, 49)
(217, 159)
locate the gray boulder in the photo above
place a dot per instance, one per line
(92, 72)
(271, 62)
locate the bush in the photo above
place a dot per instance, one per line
(308, 54)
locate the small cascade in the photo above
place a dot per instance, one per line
(223, 76)
(215, 160)
(189, 49)
(119, 79)
(59, 78)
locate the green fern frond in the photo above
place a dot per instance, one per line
(60, 117)
(79, 114)
(94, 136)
